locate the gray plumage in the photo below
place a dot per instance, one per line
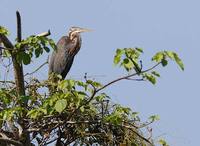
(67, 47)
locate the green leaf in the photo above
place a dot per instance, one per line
(164, 62)
(154, 118)
(178, 61)
(139, 50)
(82, 109)
(5, 96)
(43, 110)
(94, 83)
(47, 49)
(118, 56)
(23, 57)
(66, 84)
(26, 59)
(82, 84)
(155, 73)
(163, 142)
(126, 60)
(33, 113)
(24, 99)
(117, 59)
(128, 65)
(60, 105)
(34, 40)
(3, 31)
(174, 56)
(170, 54)
(158, 57)
(6, 53)
(52, 43)
(89, 81)
(7, 115)
(37, 52)
(119, 52)
(150, 78)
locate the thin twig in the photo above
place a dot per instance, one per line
(6, 41)
(37, 69)
(142, 137)
(2, 48)
(45, 34)
(135, 79)
(59, 123)
(47, 143)
(18, 67)
(11, 82)
(126, 77)
(10, 141)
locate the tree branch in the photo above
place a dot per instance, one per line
(6, 41)
(10, 141)
(18, 68)
(11, 82)
(126, 77)
(19, 27)
(45, 34)
(37, 69)
(59, 123)
(19, 78)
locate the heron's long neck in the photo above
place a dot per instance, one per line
(76, 44)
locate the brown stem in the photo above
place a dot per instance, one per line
(126, 77)
(19, 27)
(10, 141)
(45, 34)
(37, 69)
(18, 68)
(19, 78)
(18, 72)
(6, 41)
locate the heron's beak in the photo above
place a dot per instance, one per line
(85, 30)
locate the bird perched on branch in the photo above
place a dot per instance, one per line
(67, 47)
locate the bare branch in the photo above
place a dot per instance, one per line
(135, 79)
(1, 48)
(10, 141)
(45, 34)
(37, 69)
(59, 123)
(18, 68)
(11, 82)
(142, 137)
(47, 143)
(19, 27)
(7, 43)
(126, 77)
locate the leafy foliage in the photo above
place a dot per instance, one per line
(163, 142)
(3, 31)
(163, 55)
(33, 45)
(128, 58)
(75, 111)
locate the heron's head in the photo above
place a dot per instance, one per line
(75, 31)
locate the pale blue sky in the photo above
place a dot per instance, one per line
(153, 25)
